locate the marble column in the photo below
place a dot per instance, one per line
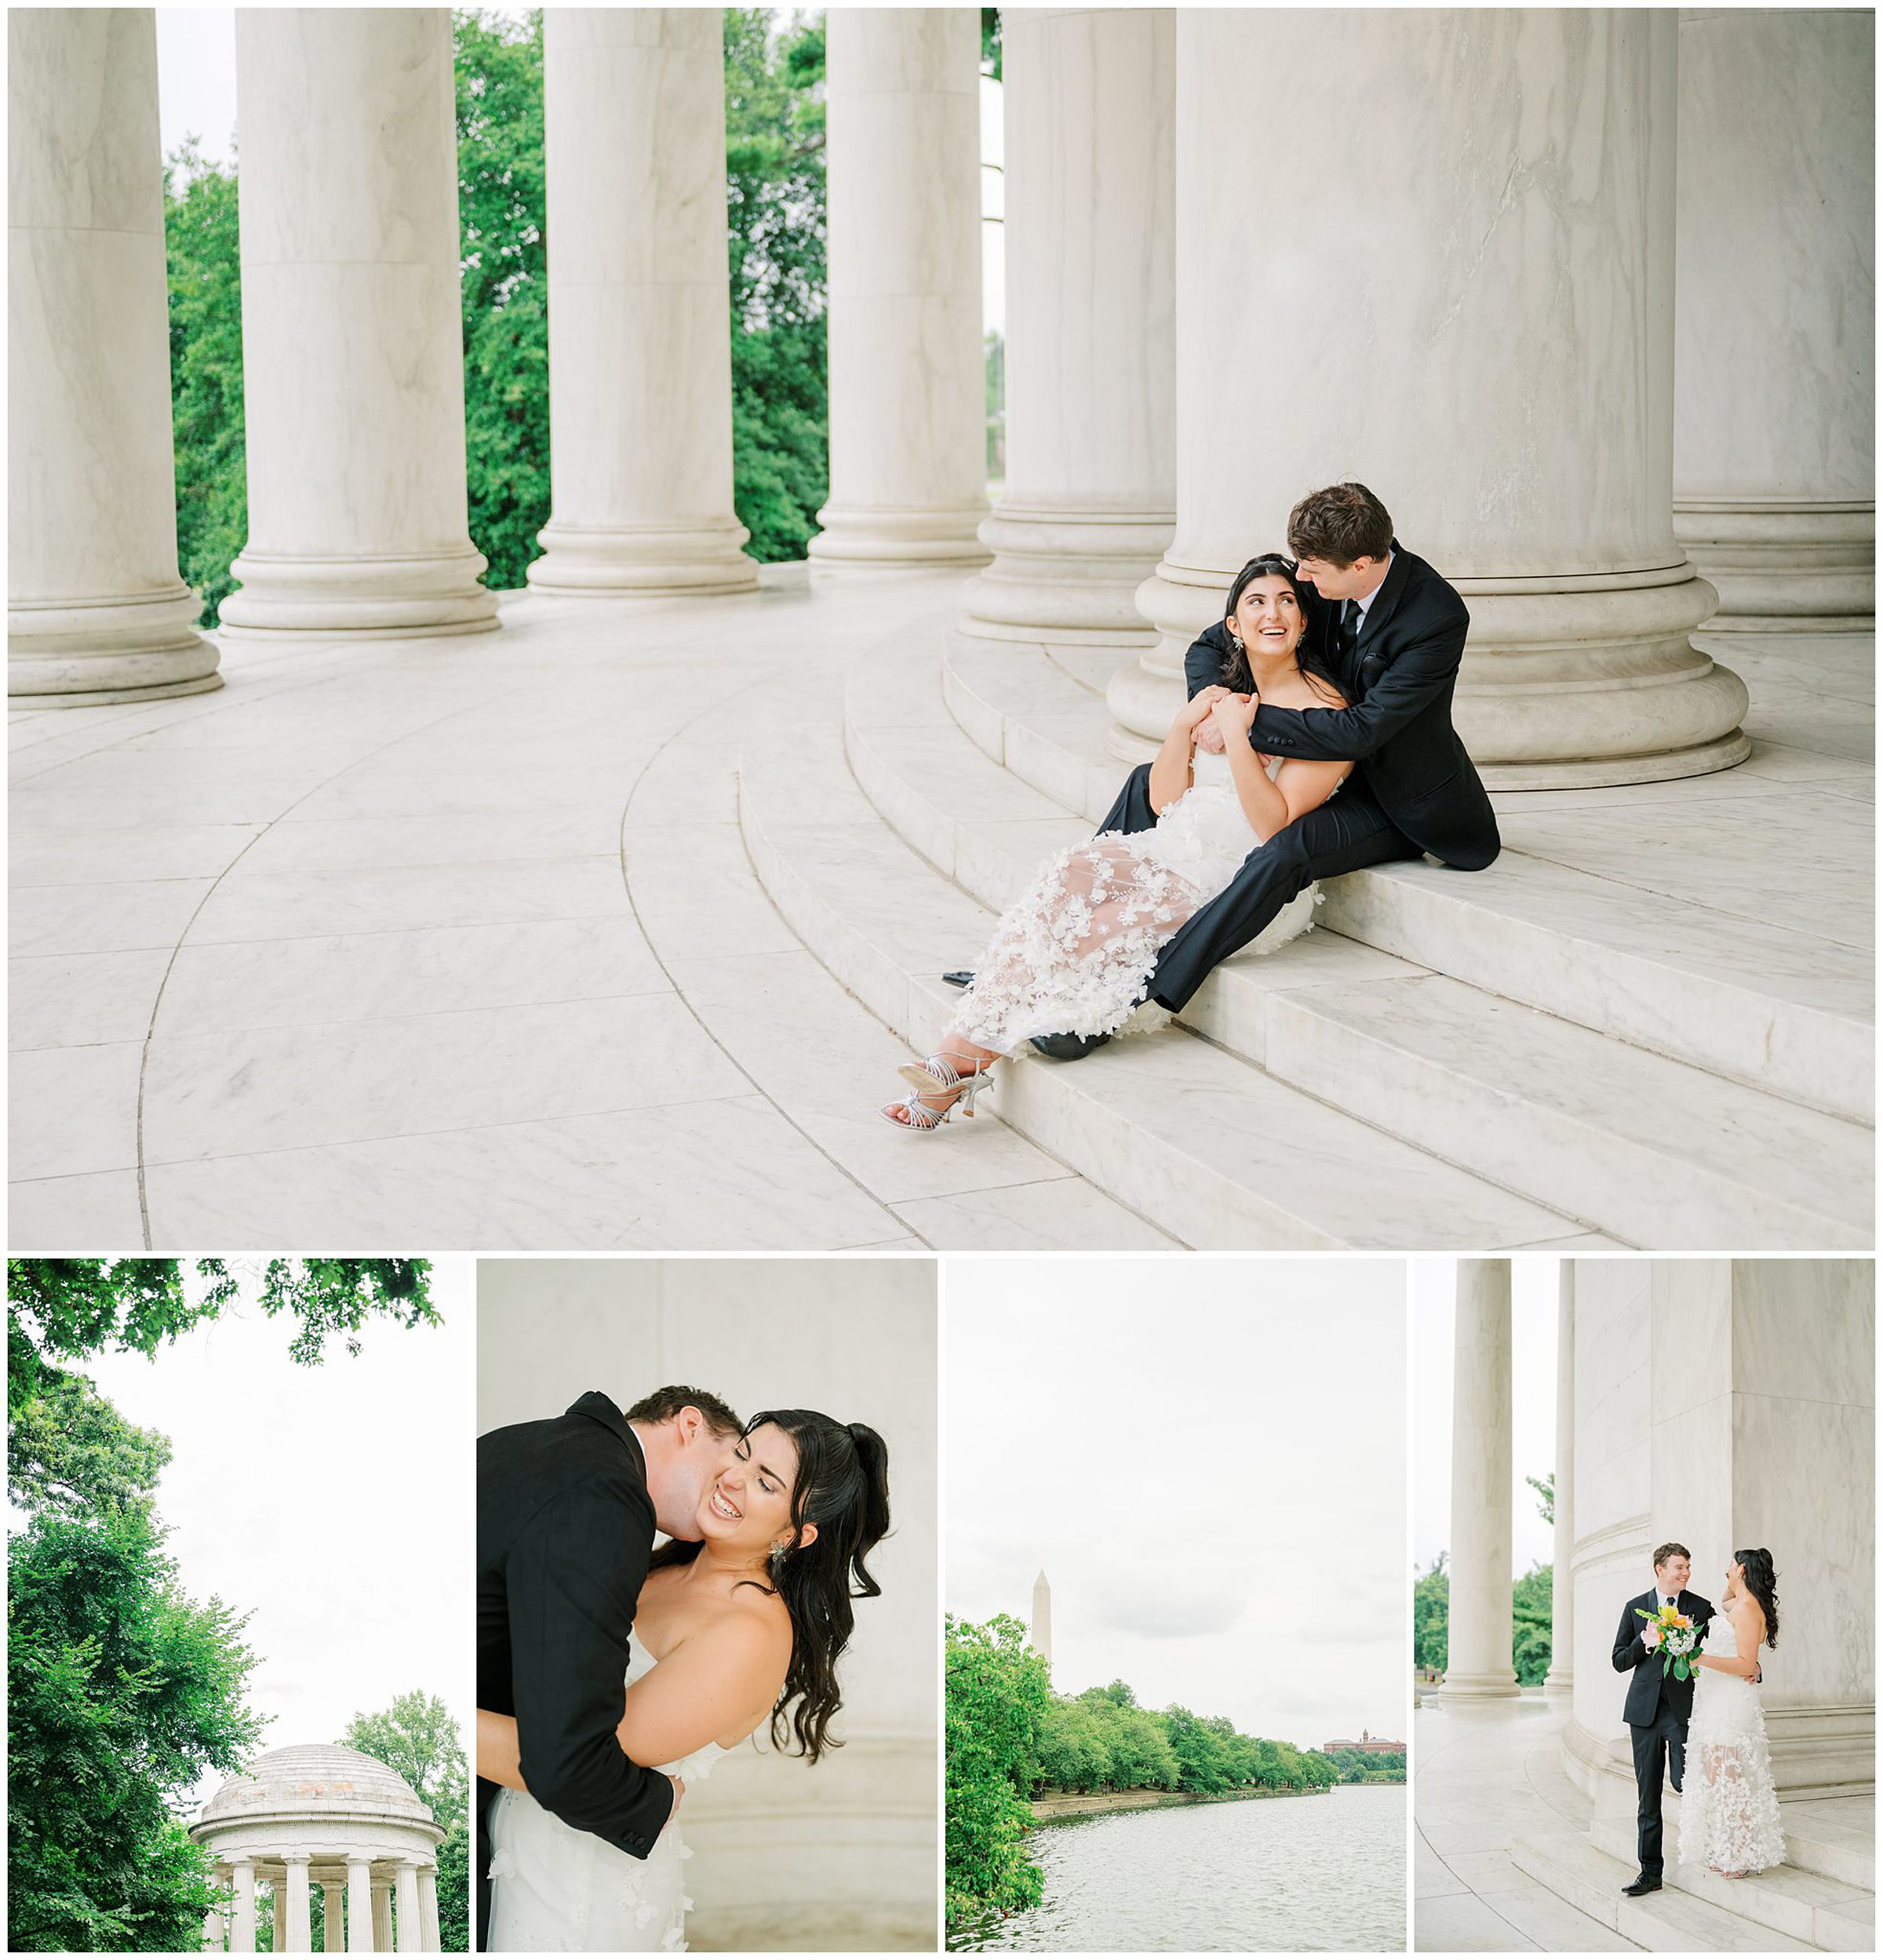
(382, 1915)
(908, 385)
(1478, 1662)
(1485, 340)
(640, 339)
(359, 1906)
(242, 1886)
(215, 1927)
(95, 610)
(409, 1926)
(300, 1907)
(427, 1906)
(333, 1916)
(1775, 302)
(1089, 97)
(1560, 1680)
(277, 1916)
(352, 357)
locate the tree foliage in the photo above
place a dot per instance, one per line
(997, 1693)
(1531, 1621)
(120, 1692)
(1102, 1740)
(418, 1737)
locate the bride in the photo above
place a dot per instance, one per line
(1074, 953)
(1729, 1809)
(744, 1623)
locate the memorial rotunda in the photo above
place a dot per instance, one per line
(321, 1815)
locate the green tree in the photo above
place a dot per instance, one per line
(503, 290)
(418, 1737)
(775, 252)
(204, 257)
(1544, 1488)
(120, 1692)
(1431, 1615)
(996, 1694)
(1531, 1625)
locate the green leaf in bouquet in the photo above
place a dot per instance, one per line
(1681, 1669)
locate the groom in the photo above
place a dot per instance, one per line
(566, 1512)
(1657, 1706)
(1392, 632)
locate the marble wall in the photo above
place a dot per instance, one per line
(842, 1855)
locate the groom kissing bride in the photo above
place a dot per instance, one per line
(587, 1740)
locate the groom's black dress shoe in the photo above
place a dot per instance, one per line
(963, 978)
(1067, 1047)
(1648, 1882)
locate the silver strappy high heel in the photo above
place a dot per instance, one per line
(937, 1074)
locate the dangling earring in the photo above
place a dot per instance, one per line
(778, 1560)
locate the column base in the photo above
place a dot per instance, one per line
(1562, 1682)
(1576, 681)
(641, 561)
(95, 653)
(283, 597)
(1782, 565)
(1066, 575)
(868, 540)
(1500, 1686)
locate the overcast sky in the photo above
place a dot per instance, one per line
(1208, 1457)
(1533, 1289)
(196, 97)
(333, 1503)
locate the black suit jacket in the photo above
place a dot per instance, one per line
(1650, 1686)
(1399, 681)
(565, 1530)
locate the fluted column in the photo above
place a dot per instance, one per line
(427, 1906)
(333, 1916)
(242, 1888)
(382, 1915)
(1486, 339)
(640, 339)
(409, 1926)
(96, 609)
(352, 358)
(1560, 1680)
(1089, 103)
(1478, 1662)
(908, 419)
(301, 1907)
(359, 1906)
(215, 1924)
(278, 1917)
(1775, 387)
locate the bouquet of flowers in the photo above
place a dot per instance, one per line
(1679, 1638)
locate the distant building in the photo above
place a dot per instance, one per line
(1373, 1745)
(1043, 1621)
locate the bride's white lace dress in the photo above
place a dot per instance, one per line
(554, 1889)
(1073, 953)
(1729, 1808)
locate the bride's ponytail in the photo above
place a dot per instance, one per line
(1762, 1583)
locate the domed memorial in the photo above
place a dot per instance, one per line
(321, 1815)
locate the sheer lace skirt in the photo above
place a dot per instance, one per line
(1729, 1807)
(1074, 951)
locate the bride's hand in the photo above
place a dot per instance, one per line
(1233, 715)
(1196, 709)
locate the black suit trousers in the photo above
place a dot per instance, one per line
(1346, 833)
(1661, 1747)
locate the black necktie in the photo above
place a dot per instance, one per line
(1350, 629)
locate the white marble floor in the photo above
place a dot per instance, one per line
(455, 943)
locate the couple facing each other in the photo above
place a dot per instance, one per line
(1711, 1722)
(1317, 739)
(586, 1745)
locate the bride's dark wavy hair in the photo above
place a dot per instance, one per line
(1236, 675)
(1762, 1583)
(843, 1487)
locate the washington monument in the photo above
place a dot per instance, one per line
(1043, 1621)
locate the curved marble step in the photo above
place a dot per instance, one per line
(1211, 1150)
(1652, 1150)
(1781, 1911)
(1780, 1011)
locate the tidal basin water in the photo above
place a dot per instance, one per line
(1303, 1873)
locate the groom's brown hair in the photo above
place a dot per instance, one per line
(665, 1403)
(1663, 1553)
(1344, 521)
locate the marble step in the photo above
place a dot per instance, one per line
(1664, 1921)
(1209, 1148)
(1780, 1911)
(1782, 1011)
(1653, 1151)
